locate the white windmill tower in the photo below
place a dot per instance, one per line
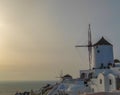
(103, 54)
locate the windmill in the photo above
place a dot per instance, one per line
(89, 46)
(60, 75)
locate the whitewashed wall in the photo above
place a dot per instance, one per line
(103, 54)
(101, 87)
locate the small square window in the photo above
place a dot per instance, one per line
(98, 51)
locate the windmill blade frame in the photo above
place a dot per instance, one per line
(60, 75)
(89, 46)
(81, 46)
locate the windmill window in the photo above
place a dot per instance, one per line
(98, 51)
(100, 81)
(101, 66)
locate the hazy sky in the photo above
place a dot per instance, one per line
(37, 37)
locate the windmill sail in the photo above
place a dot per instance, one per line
(89, 46)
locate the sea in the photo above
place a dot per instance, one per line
(10, 87)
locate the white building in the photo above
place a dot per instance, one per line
(105, 75)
